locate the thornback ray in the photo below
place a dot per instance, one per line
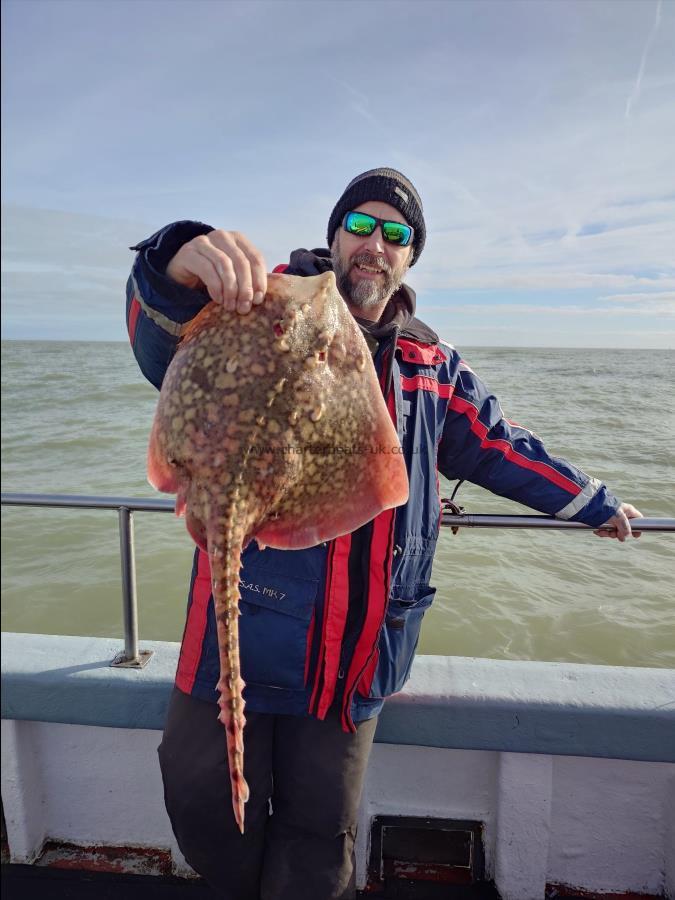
(271, 426)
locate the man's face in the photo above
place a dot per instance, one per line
(368, 269)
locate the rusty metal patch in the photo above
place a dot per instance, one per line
(99, 858)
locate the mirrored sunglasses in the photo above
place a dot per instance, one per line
(362, 225)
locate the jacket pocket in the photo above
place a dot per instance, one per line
(398, 639)
(276, 611)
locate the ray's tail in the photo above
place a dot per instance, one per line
(225, 565)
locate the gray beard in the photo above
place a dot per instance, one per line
(364, 294)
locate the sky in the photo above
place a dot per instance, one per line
(540, 135)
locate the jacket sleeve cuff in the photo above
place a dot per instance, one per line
(593, 506)
(156, 252)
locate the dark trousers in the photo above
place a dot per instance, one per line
(311, 771)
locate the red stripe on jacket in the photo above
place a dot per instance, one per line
(425, 383)
(504, 447)
(378, 595)
(195, 626)
(379, 579)
(334, 619)
(134, 312)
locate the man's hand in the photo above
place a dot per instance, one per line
(620, 523)
(226, 264)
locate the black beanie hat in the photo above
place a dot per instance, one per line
(390, 187)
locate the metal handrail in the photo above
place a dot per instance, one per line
(487, 520)
(462, 520)
(82, 501)
(133, 657)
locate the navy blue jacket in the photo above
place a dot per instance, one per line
(339, 623)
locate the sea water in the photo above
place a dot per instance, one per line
(76, 418)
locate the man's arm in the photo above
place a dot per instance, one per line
(176, 272)
(158, 308)
(481, 446)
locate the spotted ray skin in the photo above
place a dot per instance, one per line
(271, 426)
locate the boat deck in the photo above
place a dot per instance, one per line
(21, 882)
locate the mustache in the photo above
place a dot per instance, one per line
(371, 259)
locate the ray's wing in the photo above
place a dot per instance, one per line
(350, 462)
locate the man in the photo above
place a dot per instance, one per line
(319, 662)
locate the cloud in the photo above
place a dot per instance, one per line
(64, 275)
(665, 297)
(531, 309)
(635, 93)
(539, 281)
(515, 126)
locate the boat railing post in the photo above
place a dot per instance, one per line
(131, 657)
